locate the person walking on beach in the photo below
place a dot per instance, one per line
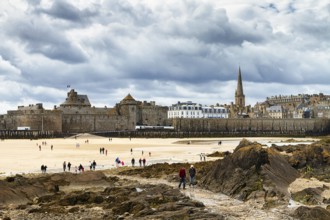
(94, 164)
(39, 147)
(182, 175)
(144, 162)
(69, 166)
(140, 162)
(133, 162)
(64, 166)
(81, 168)
(51, 147)
(192, 175)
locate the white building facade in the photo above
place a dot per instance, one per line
(193, 110)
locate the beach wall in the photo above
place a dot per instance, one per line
(184, 128)
(246, 125)
(79, 123)
(42, 120)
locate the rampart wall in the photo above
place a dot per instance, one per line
(41, 121)
(78, 123)
(307, 126)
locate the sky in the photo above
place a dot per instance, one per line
(163, 51)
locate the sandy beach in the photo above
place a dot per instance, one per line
(24, 156)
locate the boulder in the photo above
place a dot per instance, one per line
(309, 196)
(306, 213)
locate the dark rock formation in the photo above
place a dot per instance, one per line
(252, 172)
(305, 213)
(219, 154)
(92, 195)
(309, 196)
(312, 160)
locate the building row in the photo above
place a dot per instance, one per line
(76, 114)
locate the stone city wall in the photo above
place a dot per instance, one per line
(41, 121)
(153, 115)
(78, 123)
(281, 126)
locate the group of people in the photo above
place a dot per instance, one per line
(141, 161)
(202, 156)
(102, 150)
(183, 176)
(66, 165)
(43, 168)
(118, 162)
(93, 165)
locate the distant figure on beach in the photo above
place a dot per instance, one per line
(39, 147)
(81, 168)
(94, 164)
(51, 147)
(182, 175)
(142, 152)
(64, 166)
(144, 162)
(106, 152)
(192, 175)
(131, 151)
(133, 162)
(122, 163)
(149, 154)
(43, 168)
(69, 166)
(117, 161)
(219, 143)
(201, 156)
(140, 162)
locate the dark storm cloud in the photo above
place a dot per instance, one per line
(38, 37)
(65, 10)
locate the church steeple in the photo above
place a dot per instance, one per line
(239, 95)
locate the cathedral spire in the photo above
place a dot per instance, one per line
(239, 95)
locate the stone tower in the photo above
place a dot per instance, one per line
(239, 95)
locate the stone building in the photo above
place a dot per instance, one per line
(76, 114)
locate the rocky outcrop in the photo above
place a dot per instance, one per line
(316, 213)
(92, 195)
(312, 160)
(309, 196)
(252, 172)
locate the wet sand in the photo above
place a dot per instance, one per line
(24, 156)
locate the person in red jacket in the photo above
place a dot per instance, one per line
(182, 175)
